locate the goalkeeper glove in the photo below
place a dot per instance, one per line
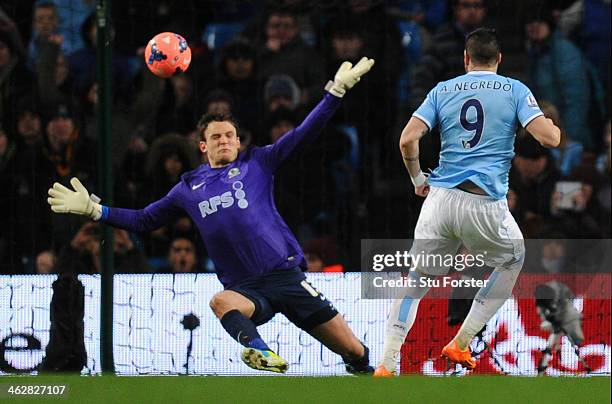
(348, 75)
(63, 200)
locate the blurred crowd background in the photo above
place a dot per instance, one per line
(266, 62)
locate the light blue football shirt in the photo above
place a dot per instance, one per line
(478, 113)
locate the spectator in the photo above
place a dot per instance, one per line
(182, 257)
(65, 153)
(7, 163)
(82, 254)
(238, 76)
(283, 51)
(569, 153)
(176, 113)
(122, 124)
(423, 12)
(45, 262)
(347, 42)
(45, 23)
(72, 14)
(585, 218)
(322, 255)
(51, 66)
(376, 96)
(557, 73)
(587, 22)
(82, 63)
(7, 166)
(533, 177)
(15, 80)
(442, 59)
(295, 195)
(169, 157)
(219, 102)
(29, 126)
(381, 38)
(68, 152)
(281, 91)
(553, 259)
(9, 28)
(596, 36)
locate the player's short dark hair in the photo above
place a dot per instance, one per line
(215, 117)
(455, 3)
(483, 46)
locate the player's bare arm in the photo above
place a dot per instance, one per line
(545, 131)
(409, 146)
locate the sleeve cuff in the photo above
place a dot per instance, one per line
(531, 118)
(422, 118)
(104, 213)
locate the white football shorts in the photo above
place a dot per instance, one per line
(452, 217)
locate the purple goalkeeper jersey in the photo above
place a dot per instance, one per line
(233, 206)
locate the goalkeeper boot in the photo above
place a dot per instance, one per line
(359, 370)
(359, 366)
(456, 355)
(381, 371)
(264, 360)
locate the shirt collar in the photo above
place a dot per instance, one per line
(481, 72)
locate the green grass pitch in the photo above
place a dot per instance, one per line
(406, 389)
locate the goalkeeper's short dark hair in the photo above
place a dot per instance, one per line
(483, 46)
(216, 117)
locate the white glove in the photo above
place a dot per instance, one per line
(348, 75)
(63, 200)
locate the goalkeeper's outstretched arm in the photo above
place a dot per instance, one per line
(80, 202)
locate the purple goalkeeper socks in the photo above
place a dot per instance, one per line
(243, 330)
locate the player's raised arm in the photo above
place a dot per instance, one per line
(409, 146)
(545, 131)
(80, 202)
(346, 77)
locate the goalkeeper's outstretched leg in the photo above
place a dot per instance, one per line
(250, 303)
(336, 335)
(234, 310)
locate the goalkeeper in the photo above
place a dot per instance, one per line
(257, 258)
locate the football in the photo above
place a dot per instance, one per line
(167, 54)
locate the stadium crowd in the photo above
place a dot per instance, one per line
(266, 63)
